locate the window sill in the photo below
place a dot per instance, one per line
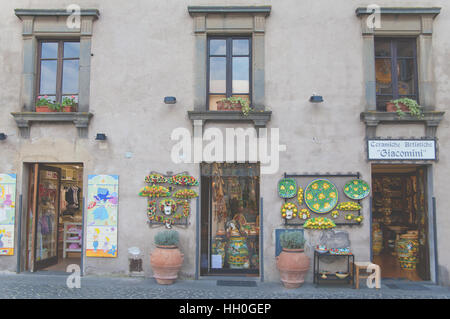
(431, 120)
(24, 120)
(259, 118)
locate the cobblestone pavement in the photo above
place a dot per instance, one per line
(27, 285)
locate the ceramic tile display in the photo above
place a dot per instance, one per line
(7, 213)
(169, 198)
(102, 212)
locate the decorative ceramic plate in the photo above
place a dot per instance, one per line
(287, 188)
(356, 189)
(321, 196)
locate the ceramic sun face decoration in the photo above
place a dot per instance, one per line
(289, 210)
(168, 206)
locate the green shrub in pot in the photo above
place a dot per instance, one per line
(167, 238)
(292, 240)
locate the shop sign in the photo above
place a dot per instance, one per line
(102, 211)
(401, 149)
(7, 213)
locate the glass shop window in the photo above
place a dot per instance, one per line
(398, 55)
(58, 71)
(229, 70)
(230, 218)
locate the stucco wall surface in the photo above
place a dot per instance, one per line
(144, 51)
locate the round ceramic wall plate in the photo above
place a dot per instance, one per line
(321, 196)
(287, 188)
(356, 189)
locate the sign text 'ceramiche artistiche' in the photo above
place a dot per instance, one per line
(401, 149)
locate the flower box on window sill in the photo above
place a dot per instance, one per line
(69, 108)
(390, 107)
(228, 106)
(44, 109)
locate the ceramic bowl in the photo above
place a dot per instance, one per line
(341, 275)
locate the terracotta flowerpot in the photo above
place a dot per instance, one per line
(228, 106)
(68, 108)
(166, 262)
(390, 107)
(43, 108)
(293, 264)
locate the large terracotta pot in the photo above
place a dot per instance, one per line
(293, 264)
(166, 261)
(390, 107)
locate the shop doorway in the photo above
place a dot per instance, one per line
(230, 223)
(400, 238)
(54, 216)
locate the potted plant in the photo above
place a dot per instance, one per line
(166, 260)
(403, 105)
(44, 104)
(292, 262)
(69, 104)
(234, 104)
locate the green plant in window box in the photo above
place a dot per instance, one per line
(231, 103)
(69, 104)
(44, 104)
(407, 104)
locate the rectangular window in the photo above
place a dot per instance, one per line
(230, 219)
(395, 69)
(58, 69)
(229, 69)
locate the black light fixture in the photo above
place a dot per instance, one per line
(2, 136)
(100, 137)
(316, 98)
(170, 100)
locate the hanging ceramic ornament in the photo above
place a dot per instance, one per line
(287, 188)
(356, 189)
(289, 210)
(304, 214)
(168, 206)
(300, 196)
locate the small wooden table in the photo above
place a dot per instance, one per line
(362, 266)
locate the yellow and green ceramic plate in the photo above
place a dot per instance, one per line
(321, 196)
(356, 189)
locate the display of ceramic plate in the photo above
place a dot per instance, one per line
(287, 188)
(321, 196)
(356, 189)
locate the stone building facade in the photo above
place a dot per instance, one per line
(134, 54)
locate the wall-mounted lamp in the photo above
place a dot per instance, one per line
(2, 136)
(100, 137)
(170, 100)
(316, 98)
